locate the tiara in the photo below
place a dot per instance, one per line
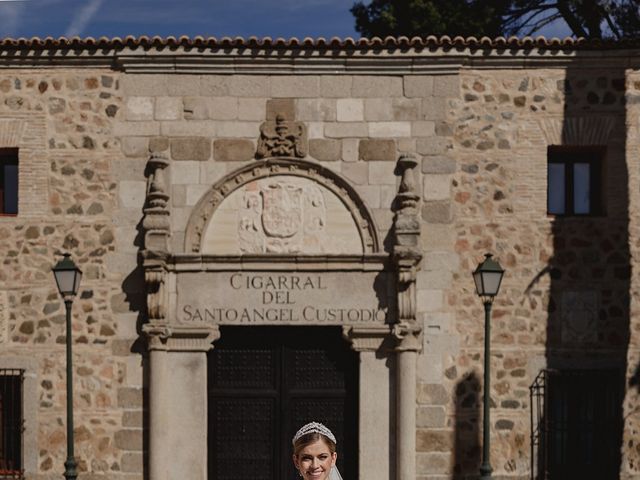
(314, 427)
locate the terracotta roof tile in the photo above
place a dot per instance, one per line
(318, 43)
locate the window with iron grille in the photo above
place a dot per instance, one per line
(576, 424)
(11, 423)
(8, 181)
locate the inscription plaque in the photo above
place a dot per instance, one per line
(285, 298)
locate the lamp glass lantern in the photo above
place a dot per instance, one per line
(68, 276)
(487, 277)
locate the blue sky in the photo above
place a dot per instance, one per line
(218, 18)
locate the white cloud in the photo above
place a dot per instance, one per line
(83, 18)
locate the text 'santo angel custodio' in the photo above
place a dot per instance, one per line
(277, 298)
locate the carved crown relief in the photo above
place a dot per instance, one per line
(281, 205)
(282, 138)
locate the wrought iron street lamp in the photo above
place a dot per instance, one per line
(487, 277)
(68, 276)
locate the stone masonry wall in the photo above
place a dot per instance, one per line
(481, 137)
(631, 453)
(62, 122)
(501, 125)
(209, 126)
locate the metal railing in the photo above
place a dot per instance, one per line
(539, 426)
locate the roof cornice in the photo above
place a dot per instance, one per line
(391, 55)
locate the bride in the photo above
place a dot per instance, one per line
(314, 453)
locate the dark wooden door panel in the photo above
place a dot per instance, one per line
(315, 369)
(252, 368)
(243, 438)
(264, 383)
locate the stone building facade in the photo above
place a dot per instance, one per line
(202, 184)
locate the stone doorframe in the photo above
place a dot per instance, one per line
(177, 350)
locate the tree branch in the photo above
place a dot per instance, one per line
(543, 23)
(571, 19)
(612, 26)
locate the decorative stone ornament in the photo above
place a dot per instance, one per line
(154, 277)
(181, 338)
(365, 339)
(279, 215)
(406, 228)
(156, 222)
(282, 138)
(156, 226)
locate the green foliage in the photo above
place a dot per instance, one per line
(585, 18)
(429, 17)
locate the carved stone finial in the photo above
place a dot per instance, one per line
(406, 221)
(282, 138)
(156, 223)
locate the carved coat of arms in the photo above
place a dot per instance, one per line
(579, 316)
(282, 138)
(281, 210)
(281, 216)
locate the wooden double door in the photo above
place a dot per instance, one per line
(266, 382)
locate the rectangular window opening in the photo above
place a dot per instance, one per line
(575, 180)
(11, 423)
(8, 181)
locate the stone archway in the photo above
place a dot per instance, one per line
(297, 174)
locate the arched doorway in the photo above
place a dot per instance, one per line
(281, 243)
(263, 384)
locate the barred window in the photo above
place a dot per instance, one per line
(11, 423)
(576, 424)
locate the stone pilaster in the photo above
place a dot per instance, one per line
(406, 257)
(178, 400)
(374, 412)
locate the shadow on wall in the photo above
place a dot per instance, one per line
(134, 289)
(588, 307)
(467, 449)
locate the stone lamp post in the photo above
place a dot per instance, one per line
(487, 277)
(68, 276)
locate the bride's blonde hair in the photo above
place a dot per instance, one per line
(309, 438)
